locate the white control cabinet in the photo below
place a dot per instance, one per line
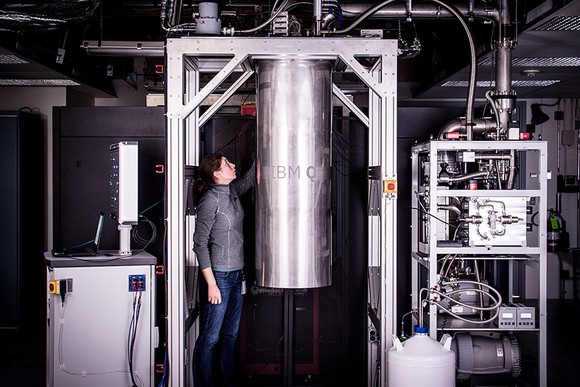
(100, 328)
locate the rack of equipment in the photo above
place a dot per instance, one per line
(479, 234)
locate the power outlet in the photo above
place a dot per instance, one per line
(137, 283)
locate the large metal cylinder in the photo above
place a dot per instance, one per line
(293, 215)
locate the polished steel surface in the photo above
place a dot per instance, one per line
(293, 223)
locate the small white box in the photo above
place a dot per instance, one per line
(514, 133)
(371, 33)
(507, 317)
(124, 182)
(469, 157)
(526, 316)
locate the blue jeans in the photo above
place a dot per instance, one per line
(218, 321)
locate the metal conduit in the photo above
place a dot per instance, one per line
(473, 65)
(422, 11)
(480, 125)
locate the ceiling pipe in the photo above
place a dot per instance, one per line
(472, 68)
(480, 125)
(503, 95)
(124, 48)
(457, 14)
(175, 14)
(431, 11)
(317, 11)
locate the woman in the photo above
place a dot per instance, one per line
(218, 244)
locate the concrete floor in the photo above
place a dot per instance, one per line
(22, 355)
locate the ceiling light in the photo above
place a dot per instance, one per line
(488, 84)
(530, 72)
(535, 82)
(465, 84)
(560, 23)
(544, 61)
(38, 82)
(7, 59)
(565, 61)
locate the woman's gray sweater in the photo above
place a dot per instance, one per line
(218, 240)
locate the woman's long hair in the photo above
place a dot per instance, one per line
(208, 166)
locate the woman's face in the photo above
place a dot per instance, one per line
(226, 173)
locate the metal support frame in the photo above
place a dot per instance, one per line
(533, 255)
(186, 58)
(289, 336)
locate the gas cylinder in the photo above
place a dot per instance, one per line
(421, 361)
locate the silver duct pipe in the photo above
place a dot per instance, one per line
(327, 20)
(457, 15)
(409, 8)
(472, 69)
(422, 11)
(293, 213)
(512, 174)
(493, 156)
(458, 179)
(124, 48)
(504, 95)
(175, 13)
(478, 279)
(480, 125)
(471, 7)
(448, 207)
(317, 13)
(503, 86)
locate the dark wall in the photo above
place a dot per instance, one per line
(22, 222)
(82, 137)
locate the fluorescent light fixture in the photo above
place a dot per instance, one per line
(541, 9)
(8, 59)
(465, 84)
(535, 82)
(541, 61)
(488, 84)
(38, 82)
(566, 61)
(560, 23)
